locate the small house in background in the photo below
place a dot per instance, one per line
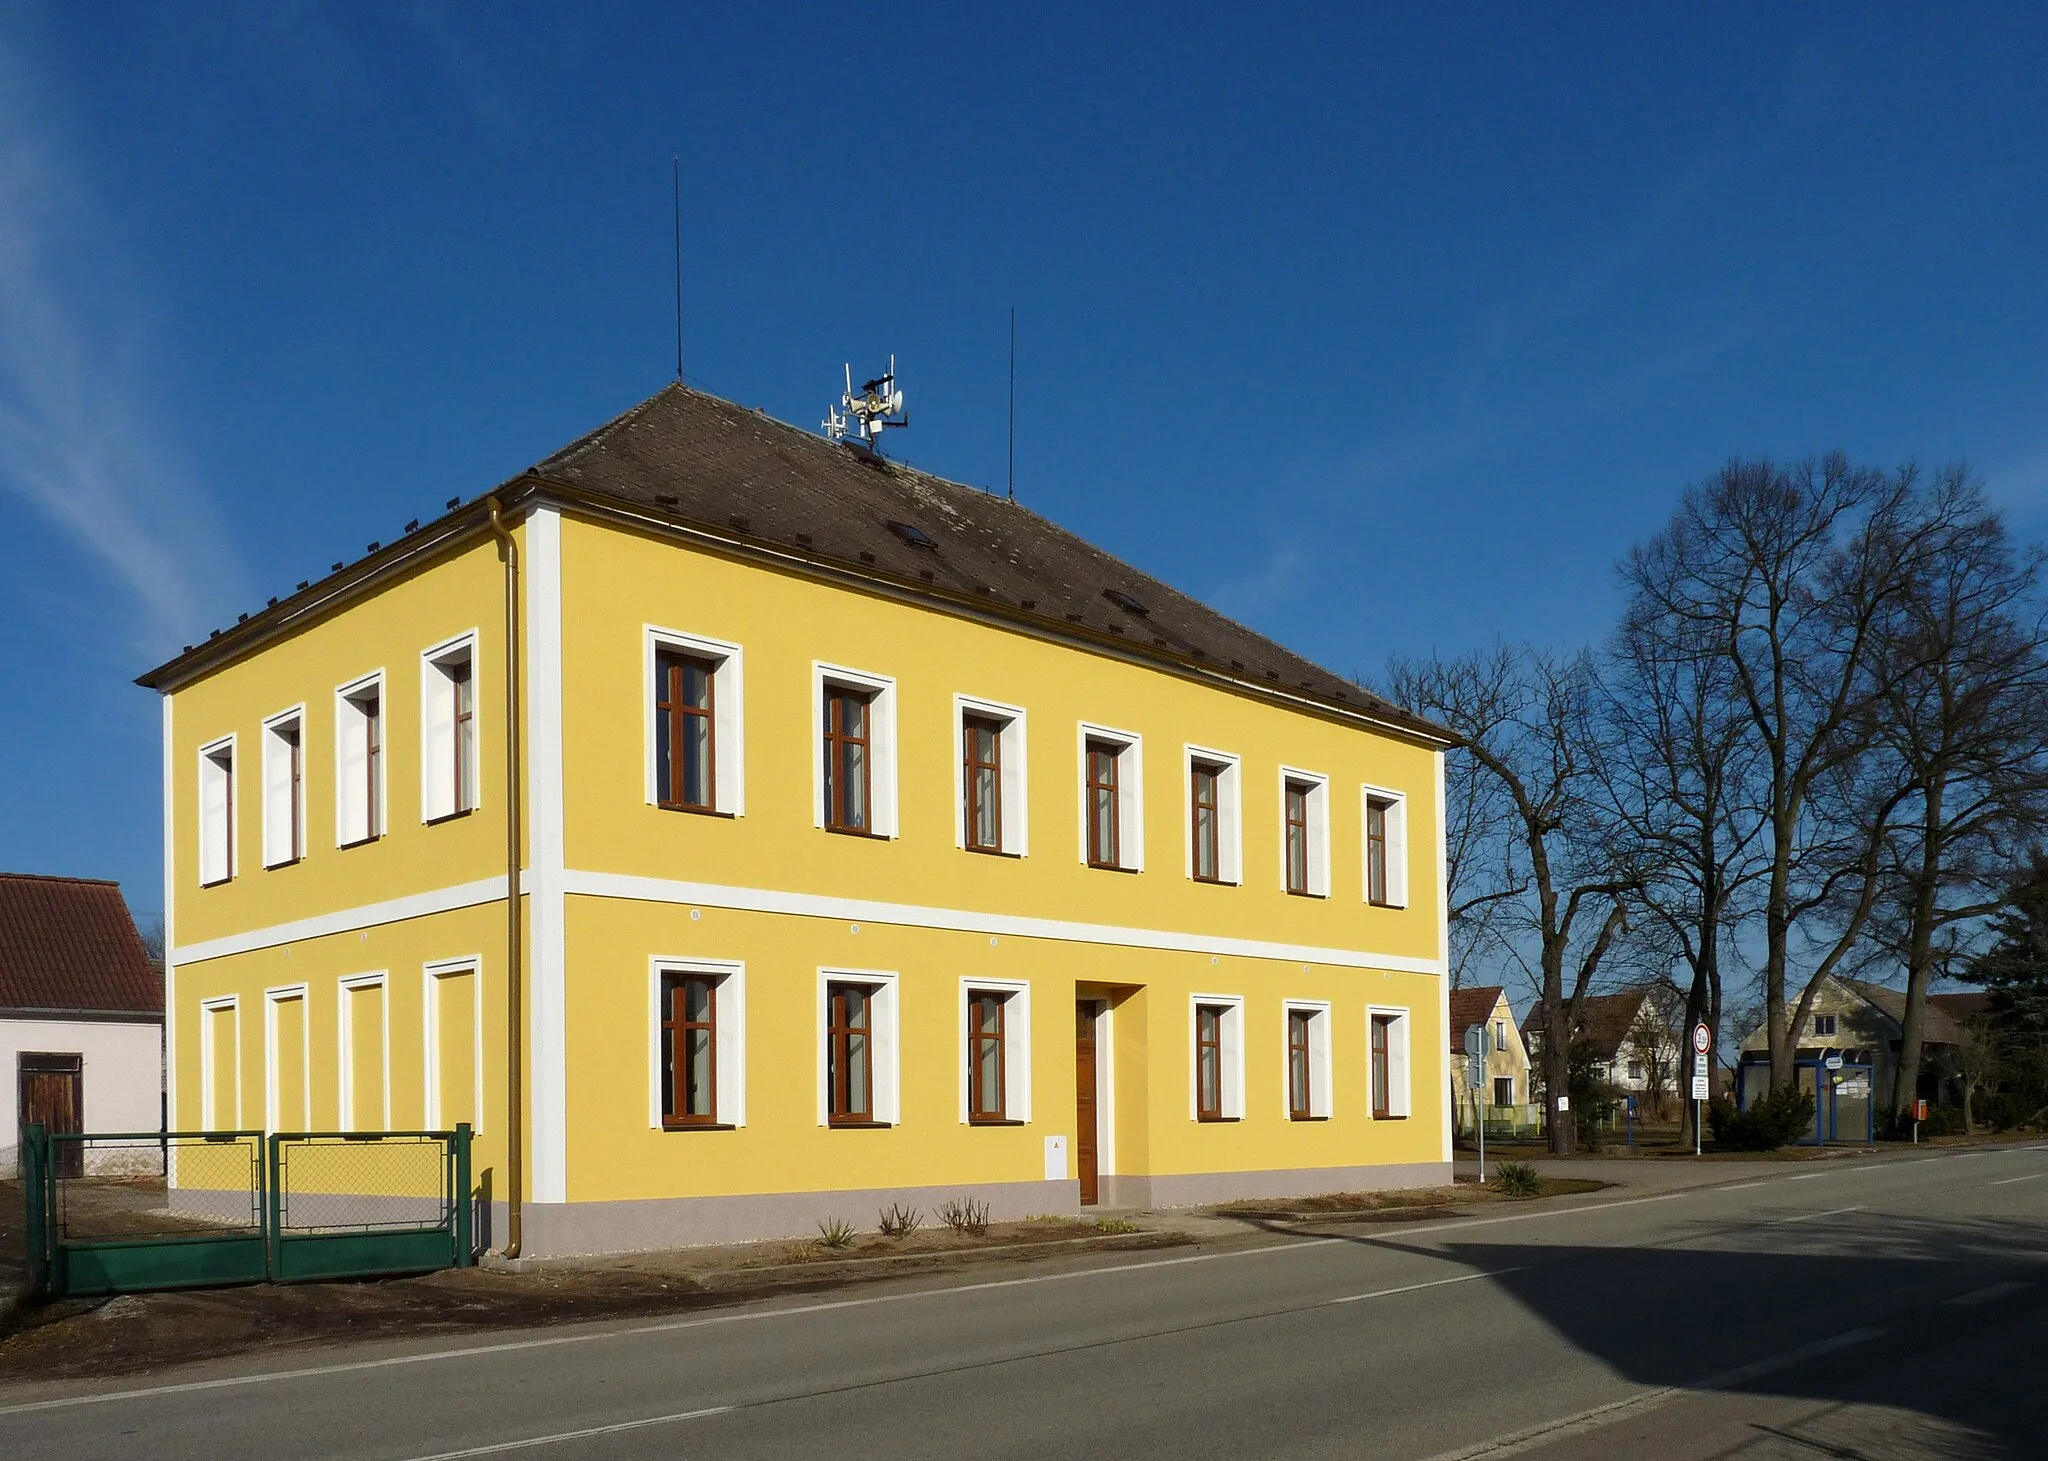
(81, 1013)
(1504, 1096)
(1853, 1032)
(1636, 1045)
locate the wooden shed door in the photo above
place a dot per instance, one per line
(52, 1090)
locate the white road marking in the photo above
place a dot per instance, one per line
(1807, 1217)
(1409, 1288)
(499, 1447)
(1742, 1187)
(1987, 1294)
(1809, 1176)
(2008, 1181)
(1599, 1416)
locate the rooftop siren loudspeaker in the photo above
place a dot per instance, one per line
(877, 407)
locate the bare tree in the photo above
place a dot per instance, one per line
(1785, 572)
(1962, 706)
(1680, 786)
(1651, 1043)
(1540, 873)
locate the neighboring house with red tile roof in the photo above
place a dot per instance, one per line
(1506, 1081)
(81, 1012)
(1634, 1038)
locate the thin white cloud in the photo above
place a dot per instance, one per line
(79, 440)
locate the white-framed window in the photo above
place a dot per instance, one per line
(453, 1022)
(857, 1048)
(1500, 1035)
(853, 751)
(1112, 787)
(1386, 847)
(995, 1050)
(217, 811)
(1307, 1076)
(365, 1038)
(989, 777)
(697, 1043)
(695, 720)
(1387, 1065)
(359, 760)
(1216, 1050)
(1304, 832)
(220, 1063)
(284, 787)
(448, 729)
(287, 1060)
(1213, 802)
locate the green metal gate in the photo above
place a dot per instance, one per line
(127, 1212)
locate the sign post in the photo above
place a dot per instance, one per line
(1475, 1077)
(1702, 1042)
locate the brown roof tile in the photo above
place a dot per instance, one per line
(1470, 1007)
(702, 460)
(69, 944)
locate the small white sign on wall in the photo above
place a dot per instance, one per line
(1055, 1159)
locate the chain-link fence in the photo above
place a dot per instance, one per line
(346, 1183)
(118, 1187)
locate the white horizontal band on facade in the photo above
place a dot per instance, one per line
(349, 920)
(956, 920)
(806, 905)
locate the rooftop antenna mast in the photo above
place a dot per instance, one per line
(679, 266)
(1013, 403)
(867, 414)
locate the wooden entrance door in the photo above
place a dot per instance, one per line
(52, 1095)
(1084, 1099)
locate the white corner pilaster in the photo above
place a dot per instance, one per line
(1443, 949)
(547, 1007)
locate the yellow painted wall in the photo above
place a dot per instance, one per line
(616, 1152)
(387, 631)
(615, 583)
(289, 1041)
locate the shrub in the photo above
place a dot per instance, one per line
(1517, 1179)
(898, 1221)
(965, 1215)
(1116, 1225)
(835, 1233)
(1782, 1117)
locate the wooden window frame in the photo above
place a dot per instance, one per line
(1301, 1090)
(1211, 1043)
(1295, 837)
(1200, 770)
(1380, 1072)
(1113, 754)
(223, 754)
(672, 714)
(835, 737)
(971, 765)
(977, 1040)
(462, 690)
(839, 1035)
(1376, 810)
(675, 1032)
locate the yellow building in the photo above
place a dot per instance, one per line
(876, 840)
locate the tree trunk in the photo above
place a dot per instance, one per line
(1919, 956)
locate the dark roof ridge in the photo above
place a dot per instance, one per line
(64, 878)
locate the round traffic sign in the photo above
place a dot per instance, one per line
(1702, 1038)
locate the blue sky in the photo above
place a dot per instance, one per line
(1385, 333)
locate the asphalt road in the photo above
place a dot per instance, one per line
(1861, 1308)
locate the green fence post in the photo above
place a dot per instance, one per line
(35, 1196)
(271, 1188)
(465, 1255)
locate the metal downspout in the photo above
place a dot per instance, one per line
(515, 1032)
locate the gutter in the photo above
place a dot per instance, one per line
(515, 973)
